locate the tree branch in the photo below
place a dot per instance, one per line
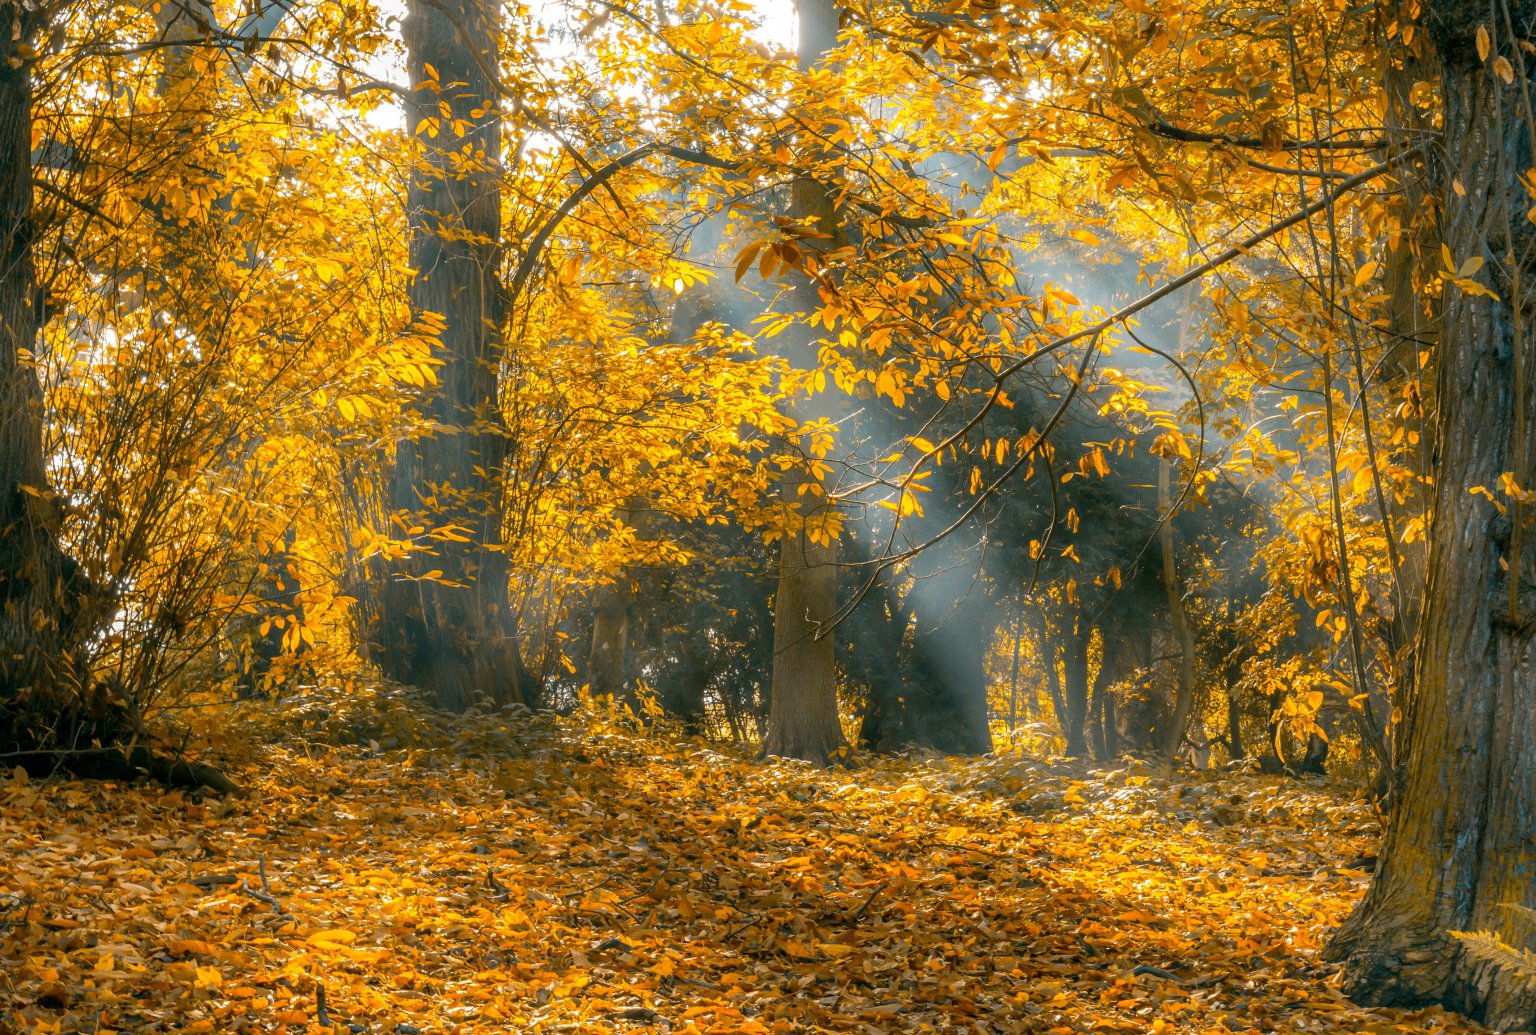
(1093, 332)
(69, 199)
(1163, 128)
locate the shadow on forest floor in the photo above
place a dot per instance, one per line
(547, 877)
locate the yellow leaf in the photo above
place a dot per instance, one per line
(190, 947)
(1365, 273)
(744, 261)
(1503, 69)
(1484, 43)
(331, 939)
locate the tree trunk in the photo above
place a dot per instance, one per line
(1017, 631)
(683, 695)
(803, 719)
(610, 639)
(453, 634)
(1235, 749)
(1184, 697)
(1461, 845)
(1050, 657)
(1101, 708)
(1074, 664)
(873, 654)
(41, 688)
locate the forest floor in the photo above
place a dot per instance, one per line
(543, 875)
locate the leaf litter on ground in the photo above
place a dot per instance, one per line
(536, 874)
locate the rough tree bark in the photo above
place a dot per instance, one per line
(803, 721)
(38, 681)
(1460, 850)
(454, 635)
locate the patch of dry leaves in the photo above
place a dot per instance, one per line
(537, 875)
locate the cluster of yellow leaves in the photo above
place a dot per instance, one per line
(516, 875)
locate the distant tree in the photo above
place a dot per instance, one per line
(803, 720)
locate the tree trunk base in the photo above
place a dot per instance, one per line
(1403, 966)
(806, 745)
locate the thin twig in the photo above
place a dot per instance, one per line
(652, 886)
(756, 919)
(858, 914)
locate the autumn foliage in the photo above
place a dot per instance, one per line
(502, 874)
(1096, 438)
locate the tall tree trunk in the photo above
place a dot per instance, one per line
(1101, 707)
(1016, 630)
(1184, 696)
(1235, 749)
(454, 634)
(683, 696)
(1461, 846)
(873, 658)
(39, 683)
(803, 720)
(1074, 665)
(1050, 658)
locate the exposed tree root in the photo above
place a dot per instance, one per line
(115, 763)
